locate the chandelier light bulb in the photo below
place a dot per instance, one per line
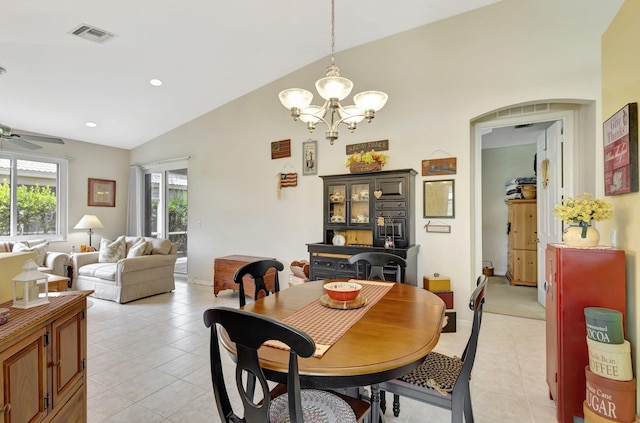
(370, 100)
(334, 87)
(296, 98)
(312, 114)
(351, 114)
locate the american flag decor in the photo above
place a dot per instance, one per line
(288, 180)
(280, 149)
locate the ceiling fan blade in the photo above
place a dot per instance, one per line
(23, 143)
(39, 138)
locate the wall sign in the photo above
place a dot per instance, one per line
(381, 145)
(435, 167)
(280, 149)
(621, 151)
(310, 157)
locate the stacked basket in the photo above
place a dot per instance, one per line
(610, 388)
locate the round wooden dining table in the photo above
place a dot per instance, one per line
(389, 340)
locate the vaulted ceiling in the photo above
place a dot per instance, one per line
(206, 52)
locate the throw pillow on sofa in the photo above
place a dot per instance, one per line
(40, 249)
(6, 247)
(138, 249)
(160, 246)
(112, 251)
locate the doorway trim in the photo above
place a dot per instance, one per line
(569, 112)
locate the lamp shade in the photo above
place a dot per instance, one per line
(351, 114)
(370, 100)
(334, 87)
(89, 221)
(295, 97)
(312, 114)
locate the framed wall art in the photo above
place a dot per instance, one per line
(102, 193)
(310, 157)
(439, 198)
(435, 167)
(621, 151)
(280, 149)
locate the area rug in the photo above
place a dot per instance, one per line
(519, 301)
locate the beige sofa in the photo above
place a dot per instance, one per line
(54, 262)
(129, 278)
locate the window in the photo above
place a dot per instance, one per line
(32, 196)
(166, 206)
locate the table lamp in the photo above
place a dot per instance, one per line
(89, 221)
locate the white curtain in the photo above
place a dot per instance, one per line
(135, 205)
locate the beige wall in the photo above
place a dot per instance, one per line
(620, 85)
(439, 78)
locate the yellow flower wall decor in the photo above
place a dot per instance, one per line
(367, 157)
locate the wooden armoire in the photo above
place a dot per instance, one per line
(522, 235)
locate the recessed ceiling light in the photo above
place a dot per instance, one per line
(155, 82)
(91, 124)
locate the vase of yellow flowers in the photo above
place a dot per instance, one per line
(369, 161)
(579, 213)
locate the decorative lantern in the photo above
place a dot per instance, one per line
(27, 286)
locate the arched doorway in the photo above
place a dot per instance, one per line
(570, 159)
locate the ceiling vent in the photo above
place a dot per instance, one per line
(521, 110)
(92, 33)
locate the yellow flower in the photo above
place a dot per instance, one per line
(367, 157)
(583, 209)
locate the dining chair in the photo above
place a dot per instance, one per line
(300, 405)
(377, 262)
(257, 270)
(441, 380)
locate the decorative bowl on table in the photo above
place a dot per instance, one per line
(342, 291)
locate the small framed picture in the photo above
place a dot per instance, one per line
(439, 198)
(102, 193)
(310, 157)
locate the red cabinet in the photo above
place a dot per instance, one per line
(576, 278)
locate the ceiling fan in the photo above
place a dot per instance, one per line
(22, 140)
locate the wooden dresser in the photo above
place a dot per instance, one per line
(522, 230)
(225, 267)
(43, 353)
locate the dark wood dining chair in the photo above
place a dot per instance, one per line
(289, 399)
(377, 262)
(257, 271)
(441, 380)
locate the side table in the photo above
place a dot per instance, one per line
(225, 267)
(57, 283)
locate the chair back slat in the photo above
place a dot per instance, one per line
(419, 384)
(476, 303)
(257, 270)
(249, 331)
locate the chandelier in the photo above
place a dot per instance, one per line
(333, 88)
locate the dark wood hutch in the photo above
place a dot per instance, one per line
(372, 211)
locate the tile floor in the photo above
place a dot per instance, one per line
(148, 362)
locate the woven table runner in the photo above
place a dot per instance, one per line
(20, 318)
(326, 325)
